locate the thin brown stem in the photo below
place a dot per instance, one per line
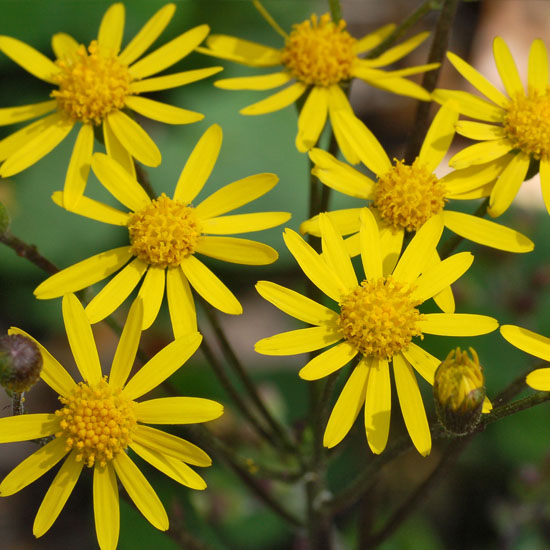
(28, 251)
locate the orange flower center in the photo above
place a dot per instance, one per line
(320, 52)
(91, 85)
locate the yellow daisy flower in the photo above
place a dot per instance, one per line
(319, 57)
(377, 319)
(165, 235)
(516, 128)
(99, 419)
(94, 87)
(534, 344)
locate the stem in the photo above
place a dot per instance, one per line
(18, 403)
(512, 408)
(29, 252)
(429, 80)
(335, 10)
(143, 179)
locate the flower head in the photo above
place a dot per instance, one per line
(319, 58)
(165, 235)
(377, 319)
(515, 127)
(99, 420)
(94, 86)
(20, 363)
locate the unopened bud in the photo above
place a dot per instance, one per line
(20, 363)
(459, 391)
(4, 219)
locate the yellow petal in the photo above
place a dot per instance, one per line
(470, 105)
(79, 166)
(424, 363)
(527, 341)
(83, 274)
(140, 491)
(209, 286)
(162, 365)
(106, 507)
(94, 210)
(81, 339)
(180, 303)
(162, 112)
(11, 115)
(170, 53)
(544, 174)
(237, 251)
(396, 85)
(111, 28)
(347, 406)
(242, 51)
(277, 101)
(345, 221)
(539, 379)
(538, 66)
(412, 406)
(456, 324)
(64, 46)
(27, 426)
(312, 119)
(115, 291)
(399, 51)
(244, 223)
(178, 410)
(298, 341)
(172, 80)
(480, 131)
(507, 68)
(152, 292)
(328, 361)
(57, 495)
(259, 82)
(378, 405)
(391, 243)
(371, 253)
(338, 100)
(117, 151)
(371, 40)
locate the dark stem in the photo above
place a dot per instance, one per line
(28, 251)
(143, 179)
(17, 403)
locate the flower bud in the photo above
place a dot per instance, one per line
(4, 219)
(20, 363)
(459, 391)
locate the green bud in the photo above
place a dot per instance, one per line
(4, 219)
(459, 391)
(20, 363)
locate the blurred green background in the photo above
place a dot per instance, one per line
(497, 494)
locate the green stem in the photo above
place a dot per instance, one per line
(335, 10)
(429, 80)
(512, 408)
(28, 251)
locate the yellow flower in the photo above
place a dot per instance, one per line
(94, 87)
(99, 418)
(377, 318)
(516, 128)
(319, 57)
(164, 236)
(535, 344)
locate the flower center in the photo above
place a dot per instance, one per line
(379, 317)
(97, 421)
(164, 233)
(91, 85)
(527, 123)
(320, 52)
(409, 195)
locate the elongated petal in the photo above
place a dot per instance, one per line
(170, 53)
(162, 365)
(277, 101)
(527, 341)
(209, 286)
(53, 373)
(111, 28)
(236, 194)
(378, 405)
(106, 507)
(94, 210)
(544, 173)
(140, 491)
(399, 86)
(347, 406)
(338, 100)
(258, 82)
(477, 80)
(508, 184)
(244, 223)
(457, 324)
(27, 426)
(174, 80)
(312, 119)
(178, 410)
(412, 406)
(117, 151)
(162, 112)
(295, 304)
(313, 265)
(147, 34)
(242, 51)
(29, 59)
(480, 131)
(57, 495)
(116, 291)
(237, 251)
(507, 68)
(180, 303)
(481, 153)
(470, 105)
(391, 243)
(177, 470)
(38, 146)
(171, 445)
(416, 256)
(152, 292)
(538, 66)
(539, 379)
(413, 70)
(199, 165)
(371, 40)
(371, 253)
(328, 361)
(399, 51)
(424, 363)
(81, 339)
(340, 176)
(11, 115)
(439, 136)
(83, 274)
(12, 143)
(64, 46)
(345, 221)
(445, 273)
(127, 346)
(298, 341)
(487, 232)
(34, 466)
(79, 167)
